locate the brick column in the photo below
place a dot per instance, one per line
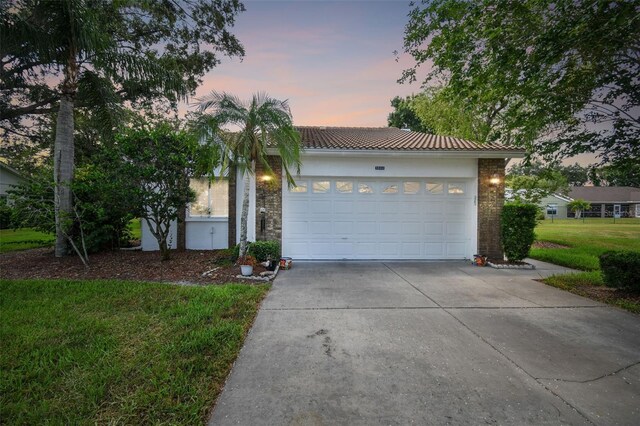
(490, 203)
(269, 197)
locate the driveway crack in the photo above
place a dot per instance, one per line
(620, 370)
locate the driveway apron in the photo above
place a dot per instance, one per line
(394, 343)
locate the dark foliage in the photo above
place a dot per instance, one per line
(621, 269)
(518, 224)
(265, 250)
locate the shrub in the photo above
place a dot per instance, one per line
(5, 214)
(621, 269)
(263, 250)
(518, 224)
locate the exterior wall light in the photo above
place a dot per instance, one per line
(266, 178)
(495, 180)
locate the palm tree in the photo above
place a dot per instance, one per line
(262, 123)
(578, 206)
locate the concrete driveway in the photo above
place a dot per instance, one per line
(361, 343)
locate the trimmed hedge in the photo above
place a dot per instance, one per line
(263, 250)
(518, 224)
(621, 269)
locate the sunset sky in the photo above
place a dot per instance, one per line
(333, 60)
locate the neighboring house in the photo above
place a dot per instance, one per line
(608, 201)
(555, 206)
(9, 177)
(364, 193)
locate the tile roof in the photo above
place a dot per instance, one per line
(388, 138)
(604, 194)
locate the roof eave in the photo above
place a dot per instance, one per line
(441, 153)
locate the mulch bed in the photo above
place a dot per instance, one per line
(185, 267)
(548, 245)
(607, 294)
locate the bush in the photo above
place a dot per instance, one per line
(263, 250)
(621, 269)
(5, 214)
(518, 224)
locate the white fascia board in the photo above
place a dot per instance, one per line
(413, 154)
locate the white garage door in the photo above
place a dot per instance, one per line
(350, 218)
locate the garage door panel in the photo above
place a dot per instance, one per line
(389, 249)
(321, 249)
(320, 228)
(321, 207)
(377, 225)
(388, 227)
(434, 208)
(455, 229)
(434, 250)
(342, 228)
(434, 228)
(366, 207)
(455, 249)
(298, 207)
(298, 228)
(411, 228)
(411, 250)
(366, 227)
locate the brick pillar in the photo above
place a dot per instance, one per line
(269, 198)
(490, 203)
(232, 206)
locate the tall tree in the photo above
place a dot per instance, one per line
(560, 77)
(60, 55)
(404, 117)
(262, 122)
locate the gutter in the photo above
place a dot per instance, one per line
(313, 152)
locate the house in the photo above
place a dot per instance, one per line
(9, 177)
(555, 206)
(364, 193)
(608, 201)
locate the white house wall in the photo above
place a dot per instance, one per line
(149, 242)
(206, 233)
(317, 165)
(251, 226)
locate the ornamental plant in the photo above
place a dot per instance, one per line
(621, 269)
(517, 229)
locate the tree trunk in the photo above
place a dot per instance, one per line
(245, 214)
(63, 159)
(181, 229)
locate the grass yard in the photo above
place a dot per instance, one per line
(585, 241)
(27, 238)
(87, 352)
(23, 239)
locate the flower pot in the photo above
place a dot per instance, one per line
(246, 270)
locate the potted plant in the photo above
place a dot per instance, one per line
(246, 264)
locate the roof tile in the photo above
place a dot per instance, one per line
(388, 138)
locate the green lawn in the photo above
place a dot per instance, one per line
(87, 352)
(586, 241)
(27, 238)
(23, 239)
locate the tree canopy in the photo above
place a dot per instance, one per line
(557, 77)
(403, 115)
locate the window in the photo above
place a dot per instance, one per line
(212, 198)
(300, 187)
(435, 187)
(364, 188)
(552, 209)
(344, 187)
(455, 188)
(390, 189)
(411, 187)
(321, 186)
